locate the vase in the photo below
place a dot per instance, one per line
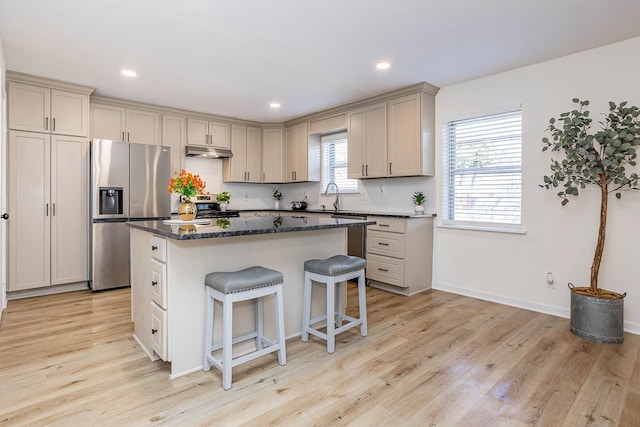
(276, 205)
(223, 206)
(187, 210)
(419, 209)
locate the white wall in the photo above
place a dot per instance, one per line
(512, 268)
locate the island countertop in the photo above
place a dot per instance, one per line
(229, 227)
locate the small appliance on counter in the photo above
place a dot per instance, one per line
(127, 184)
(207, 208)
(299, 206)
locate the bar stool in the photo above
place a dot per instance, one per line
(229, 287)
(331, 272)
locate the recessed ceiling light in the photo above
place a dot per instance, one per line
(128, 73)
(274, 105)
(383, 65)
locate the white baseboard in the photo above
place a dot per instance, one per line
(631, 327)
(49, 290)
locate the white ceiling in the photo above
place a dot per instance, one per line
(234, 57)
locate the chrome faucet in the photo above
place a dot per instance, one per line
(336, 204)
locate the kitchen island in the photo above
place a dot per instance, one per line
(169, 263)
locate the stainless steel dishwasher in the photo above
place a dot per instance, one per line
(356, 236)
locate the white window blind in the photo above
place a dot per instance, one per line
(334, 164)
(482, 171)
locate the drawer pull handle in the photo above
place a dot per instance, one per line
(154, 283)
(383, 225)
(383, 269)
(383, 244)
(154, 248)
(154, 331)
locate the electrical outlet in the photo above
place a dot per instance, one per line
(551, 281)
(246, 195)
(381, 189)
(306, 195)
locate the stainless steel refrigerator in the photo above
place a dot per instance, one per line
(128, 183)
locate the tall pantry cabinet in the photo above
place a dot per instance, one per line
(48, 183)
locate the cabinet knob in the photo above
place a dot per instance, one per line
(154, 331)
(154, 282)
(154, 248)
(5, 216)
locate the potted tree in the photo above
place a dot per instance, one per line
(596, 158)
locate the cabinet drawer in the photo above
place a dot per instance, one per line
(389, 244)
(158, 248)
(159, 331)
(385, 269)
(394, 225)
(159, 283)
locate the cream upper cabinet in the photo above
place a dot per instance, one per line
(125, 124)
(48, 220)
(246, 163)
(367, 136)
(174, 135)
(302, 155)
(207, 132)
(411, 125)
(273, 155)
(41, 109)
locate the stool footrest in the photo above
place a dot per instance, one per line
(252, 335)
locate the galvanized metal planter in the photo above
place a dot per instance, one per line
(597, 319)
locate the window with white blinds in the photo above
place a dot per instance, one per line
(482, 171)
(334, 164)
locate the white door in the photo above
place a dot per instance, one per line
(3, 193)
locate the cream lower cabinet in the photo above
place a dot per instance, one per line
(149, 293)
(48, 213)
(399, 254)
(125, 124)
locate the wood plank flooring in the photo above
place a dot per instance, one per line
(435, 359)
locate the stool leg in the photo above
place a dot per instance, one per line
(259, 323)
(362, 303)
(227, 341)
(208, 330)
(282, 352)
(331, 331)
(306, 307)
(340, 312)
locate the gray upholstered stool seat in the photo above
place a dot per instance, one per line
(333, 272)
(234, 286)
(334, 266)
(249, 278)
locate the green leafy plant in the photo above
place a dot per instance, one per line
(277, 194)
(597, 158)
(223, 197)
(418, 198)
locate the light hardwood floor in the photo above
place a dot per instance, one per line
(435, 359)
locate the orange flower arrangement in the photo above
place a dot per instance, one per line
(187, 184)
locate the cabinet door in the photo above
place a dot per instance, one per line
(174, 135)
(108, 122)
(69, 113)
(219, 135)
(29, 211)
(376, 134)
(302, 170)
(254, 155)
(142, 127)
(69, 210)
(291, 143)
(237, 164)
(356, 164)
(273, 155)
(197, 132)
(405, 139)
(29, 107)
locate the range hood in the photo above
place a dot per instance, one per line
(207, 152)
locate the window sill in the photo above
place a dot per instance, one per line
(483, 228)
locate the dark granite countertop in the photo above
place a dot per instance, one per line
(228, 227)
(346, 213)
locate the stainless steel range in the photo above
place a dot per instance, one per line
(208, 208)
